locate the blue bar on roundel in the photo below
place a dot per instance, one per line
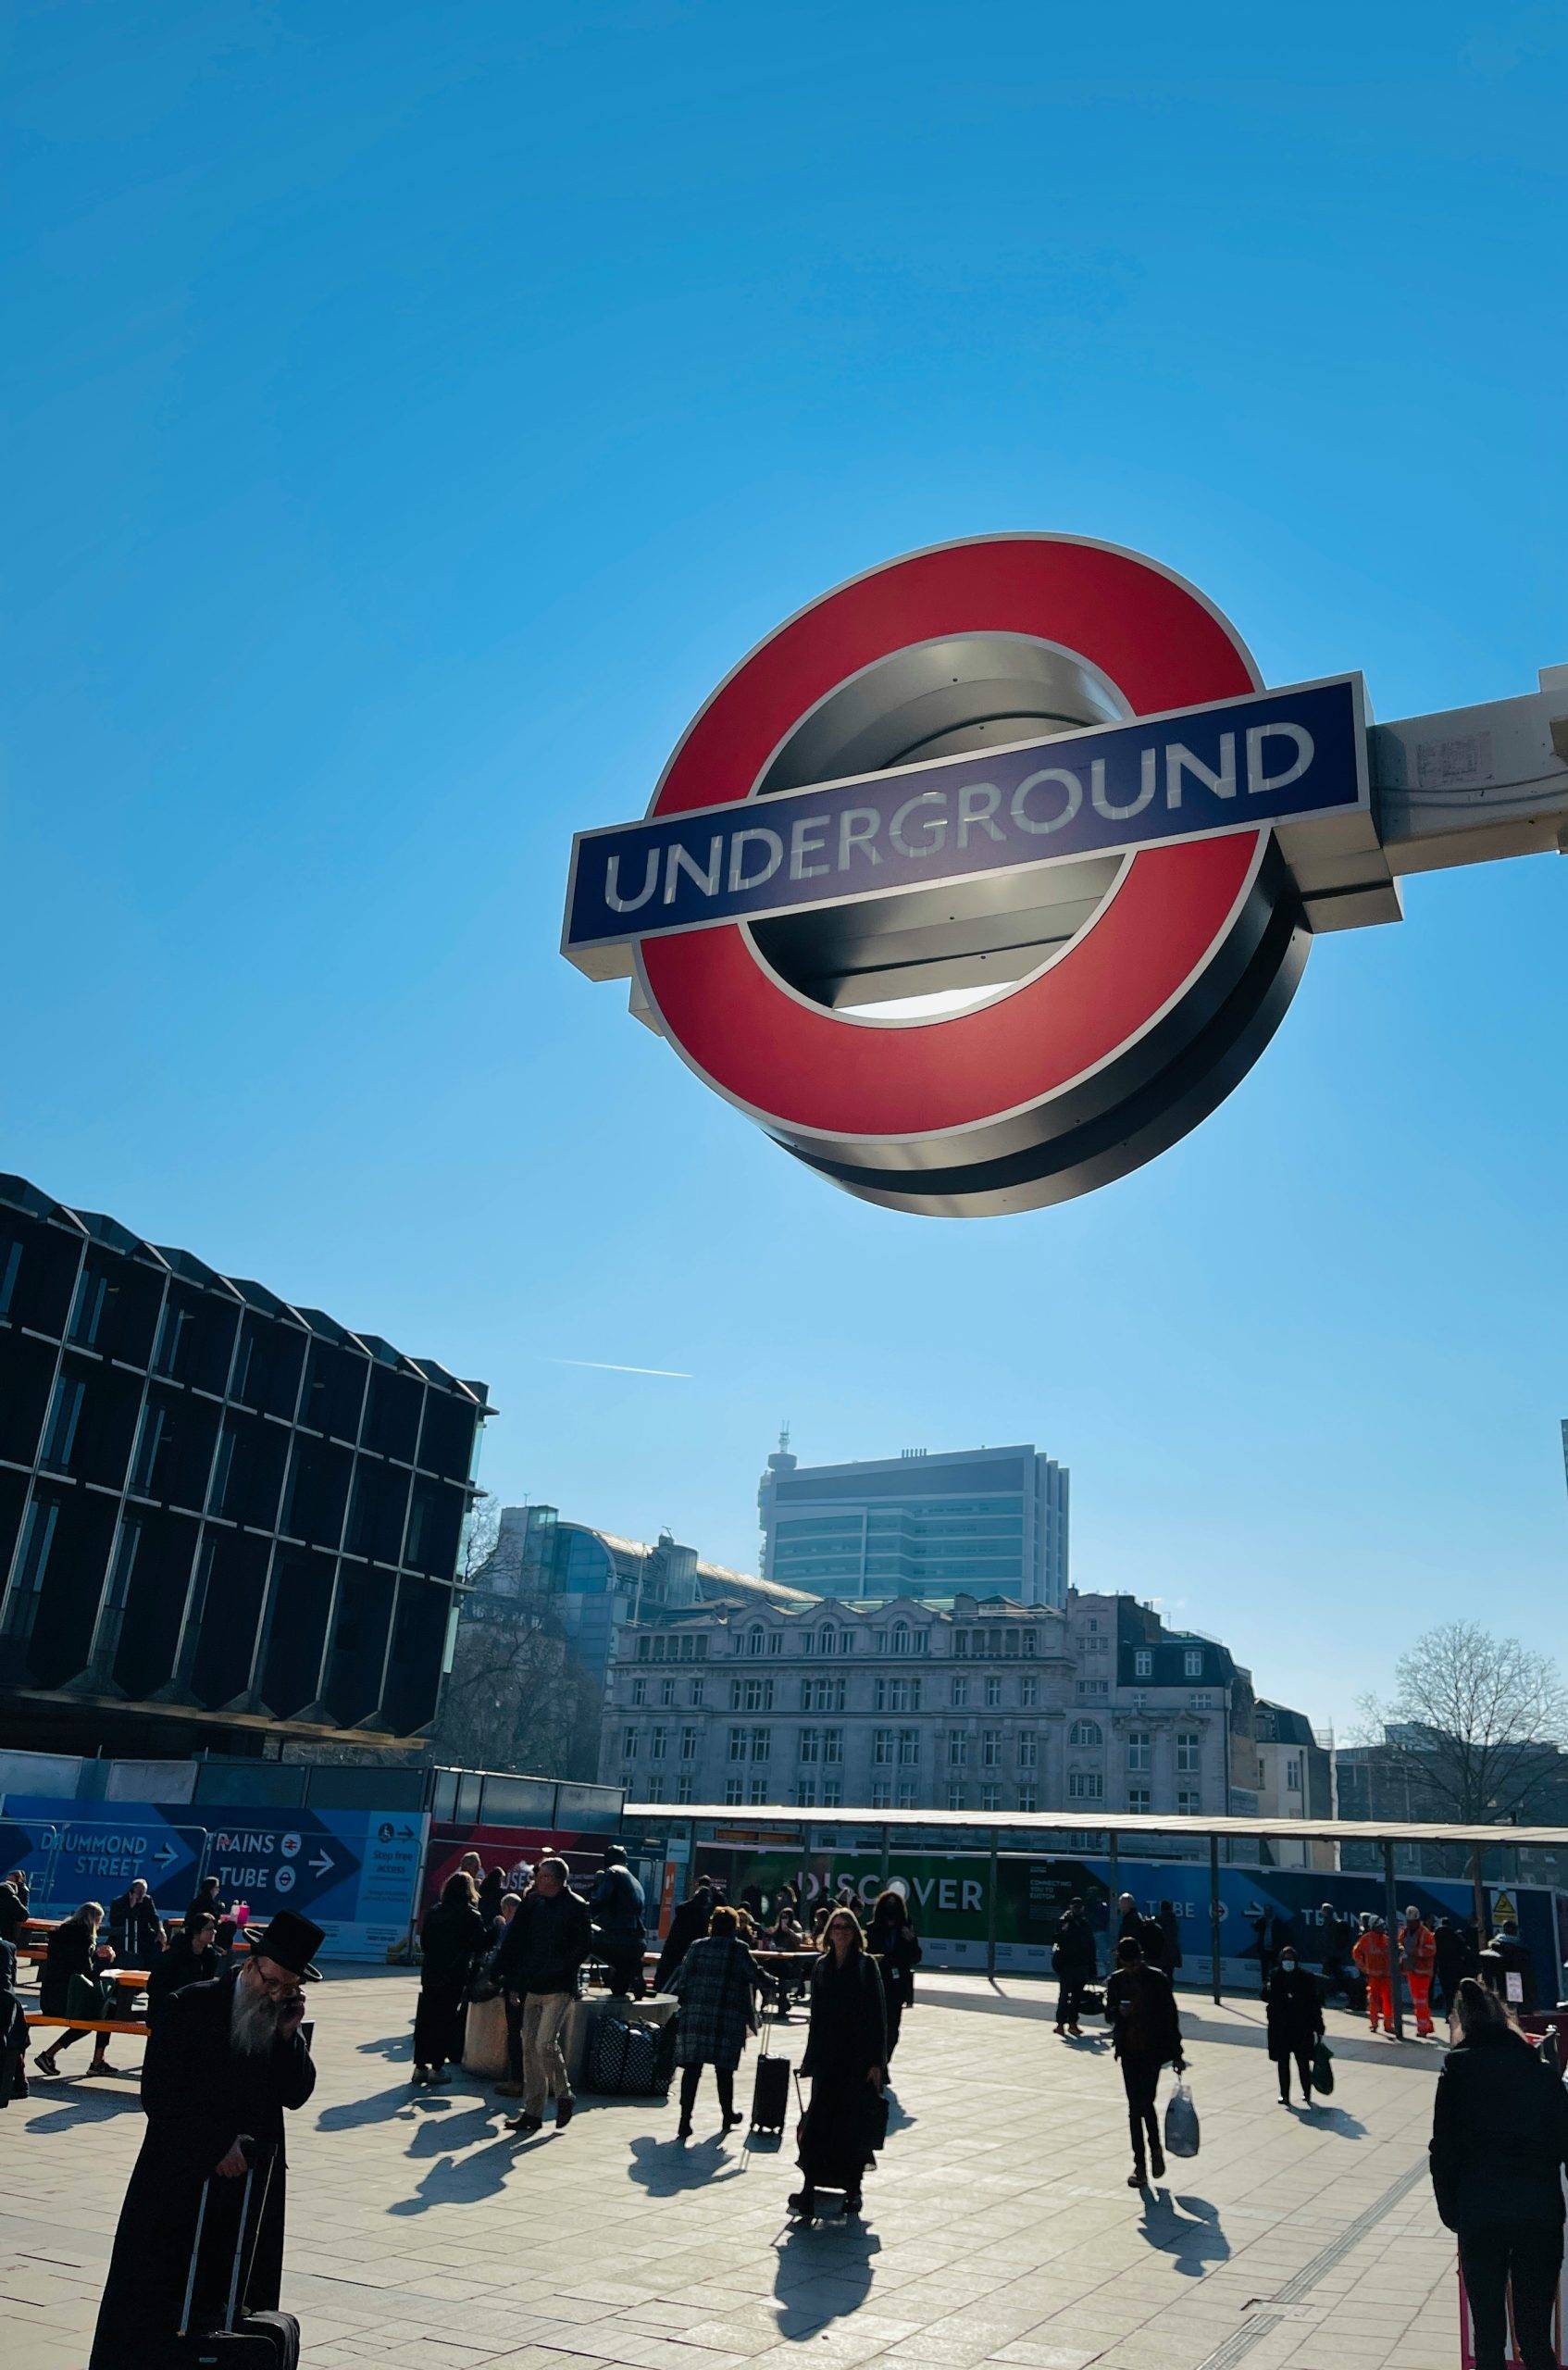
(1271, 757)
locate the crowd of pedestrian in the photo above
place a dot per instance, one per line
(226, 2057)
(728, 1966)
(1434, 1963)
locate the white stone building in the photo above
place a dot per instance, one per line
(972, 1703)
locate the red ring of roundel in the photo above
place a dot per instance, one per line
(808, 1067)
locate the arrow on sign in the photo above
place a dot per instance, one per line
(166, 1855)
(320, 1865)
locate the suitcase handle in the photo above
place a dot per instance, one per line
(195, 2251)
(235, 2292)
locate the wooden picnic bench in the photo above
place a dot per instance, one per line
(129, 1980)
(95, 2024)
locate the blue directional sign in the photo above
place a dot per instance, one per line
(1196, 773)
(352, 1871)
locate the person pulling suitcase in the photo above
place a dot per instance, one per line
(227, 2061)
(259, 2340)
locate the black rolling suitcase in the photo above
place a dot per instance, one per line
(770, 2091)
(245, 2340)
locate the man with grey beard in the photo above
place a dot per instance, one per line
(224, 2062)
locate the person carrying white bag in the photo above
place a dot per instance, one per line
(1141, 2011)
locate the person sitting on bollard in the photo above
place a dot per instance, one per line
(618, 1906)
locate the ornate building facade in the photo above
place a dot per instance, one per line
(966, 1703)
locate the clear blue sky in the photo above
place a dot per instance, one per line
(415, 410)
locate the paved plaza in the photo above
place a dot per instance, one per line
(999, 2229)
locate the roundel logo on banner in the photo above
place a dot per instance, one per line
(978, 882)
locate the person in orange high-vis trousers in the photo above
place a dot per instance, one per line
(1372, 1956)
(1418, 1956)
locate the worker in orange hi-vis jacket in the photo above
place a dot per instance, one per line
(1418, 1956)
(1372, 1956)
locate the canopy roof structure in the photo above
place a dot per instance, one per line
(1119, 1823)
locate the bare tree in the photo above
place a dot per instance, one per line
(516, 1697)
(1473, 1730)
(480, 1537)
(1474, 1723)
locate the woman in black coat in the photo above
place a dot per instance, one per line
(846, 2058)
(72, 1949)
(892, 1941)
(451, 1939)
(688, 1925)
(192, 1957)
(1500, 2143)
(206, 1903)
(1295, 2022)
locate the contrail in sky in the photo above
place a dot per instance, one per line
(603, 1366)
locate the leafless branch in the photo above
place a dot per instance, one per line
(1475, 1726)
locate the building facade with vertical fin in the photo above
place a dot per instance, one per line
(221, 1516)
(984, 1521)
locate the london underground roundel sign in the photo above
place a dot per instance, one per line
(990, 873)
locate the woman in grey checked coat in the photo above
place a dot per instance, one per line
(717, 1984)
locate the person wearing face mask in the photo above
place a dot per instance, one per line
(1295, 2022)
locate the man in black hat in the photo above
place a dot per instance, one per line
(223, 2063)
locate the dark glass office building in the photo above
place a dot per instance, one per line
(220, 1517)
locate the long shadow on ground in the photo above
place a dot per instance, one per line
(825, 2271)
(1186, 2229)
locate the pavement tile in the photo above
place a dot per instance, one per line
(999, 2233)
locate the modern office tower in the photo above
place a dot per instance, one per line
(984, 1521)
(222, 1518)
